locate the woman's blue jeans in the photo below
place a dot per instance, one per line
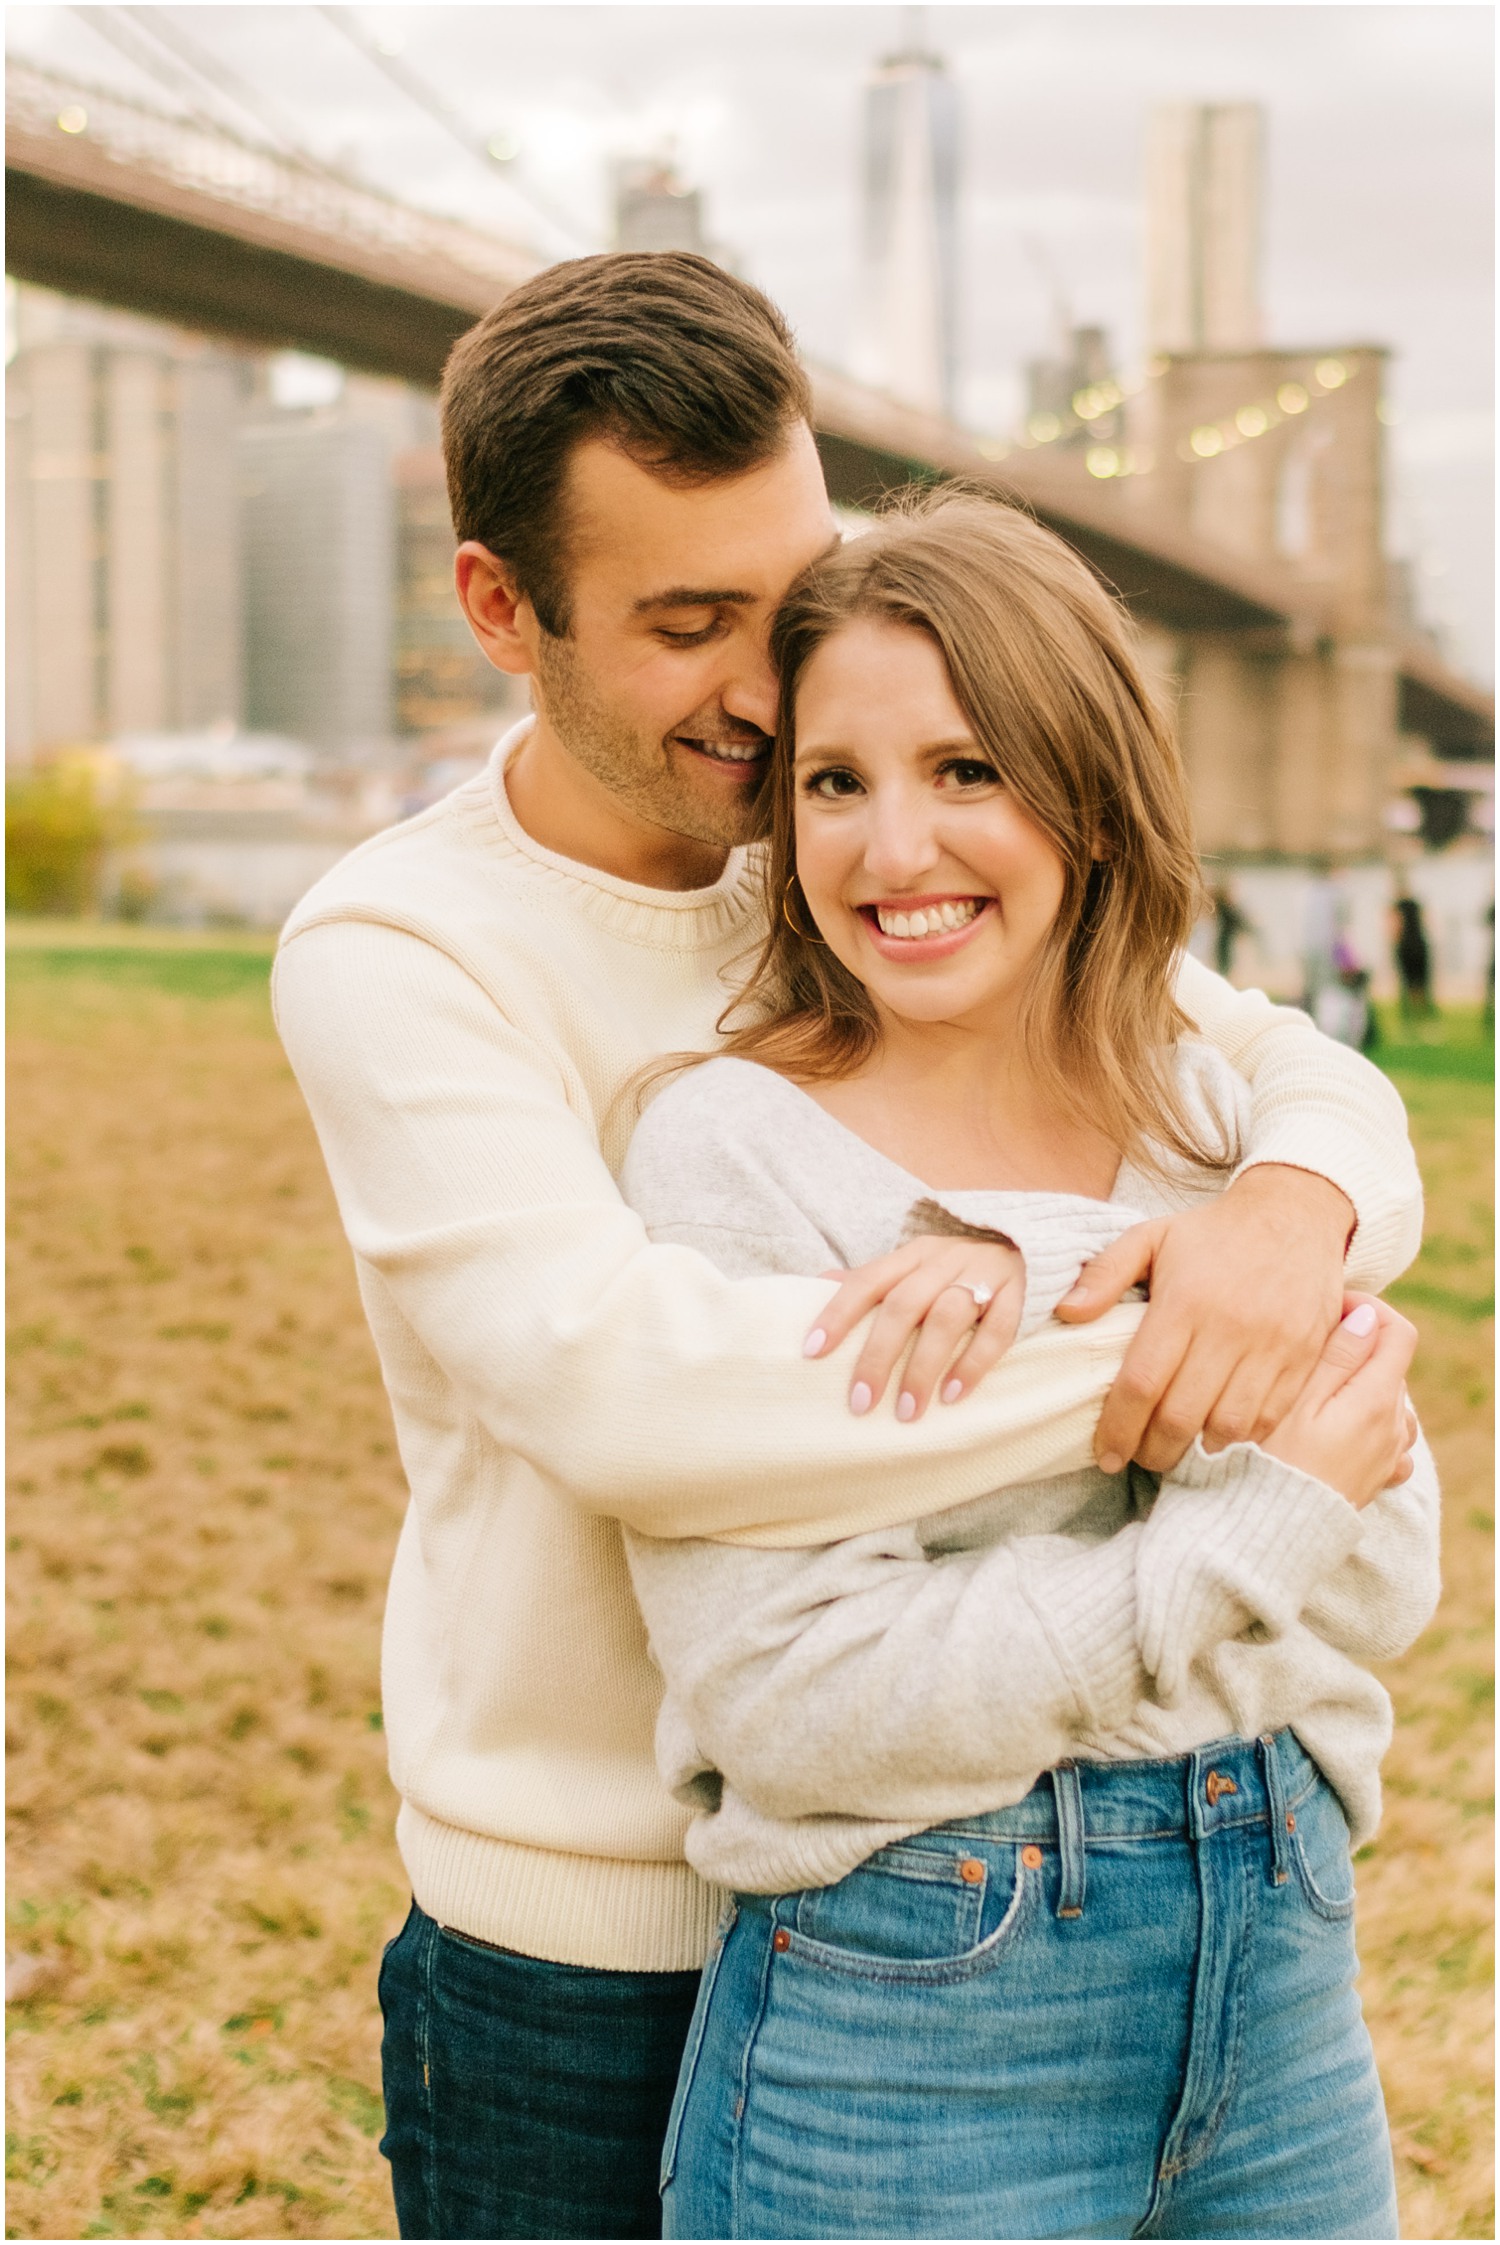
(1123, 2008)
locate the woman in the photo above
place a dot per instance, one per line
(1036, 1814)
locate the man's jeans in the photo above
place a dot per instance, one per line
(1123, 2008)
(525, 2099)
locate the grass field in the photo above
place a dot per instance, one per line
(204, 1500)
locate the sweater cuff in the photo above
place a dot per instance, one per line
(1347, 1158)
(1056, 1234)
(1236, 1540)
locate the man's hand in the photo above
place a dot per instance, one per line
(1244, 1294)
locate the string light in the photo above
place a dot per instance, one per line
(1210, 438)
(1105, 461)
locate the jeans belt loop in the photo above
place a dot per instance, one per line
(1070, 1842)
(1275, 1807)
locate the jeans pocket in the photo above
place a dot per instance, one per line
(692, 2049)
(1321, 1854)
(913, 1913)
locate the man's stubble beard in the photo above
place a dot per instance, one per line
(639, 769)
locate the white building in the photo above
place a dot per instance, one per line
(907, 342)
(122, 550)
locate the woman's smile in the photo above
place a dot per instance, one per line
(916, 929)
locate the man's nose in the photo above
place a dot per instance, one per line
(750, 691)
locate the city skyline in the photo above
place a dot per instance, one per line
(1378, 172)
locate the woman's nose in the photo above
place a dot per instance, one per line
(899, 841)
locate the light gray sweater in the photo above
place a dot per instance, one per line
(823, 1702)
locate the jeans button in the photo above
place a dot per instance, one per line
(971, 1871)
(781, 1940)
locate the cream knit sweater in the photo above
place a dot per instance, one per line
(464, 1010)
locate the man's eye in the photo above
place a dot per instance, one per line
(833, 785)
(690, 638)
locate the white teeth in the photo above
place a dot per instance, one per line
(934, 920)
(732, 752)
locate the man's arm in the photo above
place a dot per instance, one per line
(1245, 1290)
(636, 1377)
(1322, 1109)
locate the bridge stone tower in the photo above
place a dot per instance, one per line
(1275, 457)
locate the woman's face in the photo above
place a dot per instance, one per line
(924, 875)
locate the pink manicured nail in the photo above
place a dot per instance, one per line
(860, 1399)
(906, 1405)
(1361, 1321)
(1075, 1296)
(1109, 1463)
(813, 1345)
(953, 1391)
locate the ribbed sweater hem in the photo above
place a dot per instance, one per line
(568, 1909)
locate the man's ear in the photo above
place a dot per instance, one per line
(499, 614)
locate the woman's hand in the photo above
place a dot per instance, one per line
(1352, 1425)
(924, 1288)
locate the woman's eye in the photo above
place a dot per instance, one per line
(832, 785)
(967, 772)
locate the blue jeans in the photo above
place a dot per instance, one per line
(524, 2099)
(1123, 2008)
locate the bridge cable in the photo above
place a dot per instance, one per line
(227, 82)
(442, 112)
(127, 40)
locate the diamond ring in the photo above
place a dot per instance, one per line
(982, 1296)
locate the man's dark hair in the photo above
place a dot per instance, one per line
(690, 371)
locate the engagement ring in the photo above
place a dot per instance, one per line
(982, 1295)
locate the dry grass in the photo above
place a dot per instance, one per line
(204, 1504)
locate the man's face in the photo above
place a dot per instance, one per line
(663, 688)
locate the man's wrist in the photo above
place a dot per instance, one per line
(1315, 1200)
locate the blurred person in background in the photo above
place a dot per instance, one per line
(1488, 1015)
(1230, 923)
(466, 1001)
(1413, 957)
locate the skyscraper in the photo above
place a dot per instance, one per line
(122, 583)
(908, 335)
(1203, 206)
(320, 578)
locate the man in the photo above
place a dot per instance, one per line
(466, 1001)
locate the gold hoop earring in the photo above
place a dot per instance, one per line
(786, 913)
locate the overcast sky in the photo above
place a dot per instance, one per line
(1380, 193)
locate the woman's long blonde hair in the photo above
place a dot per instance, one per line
(1042, 664)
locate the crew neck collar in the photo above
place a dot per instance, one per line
(637, 907)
